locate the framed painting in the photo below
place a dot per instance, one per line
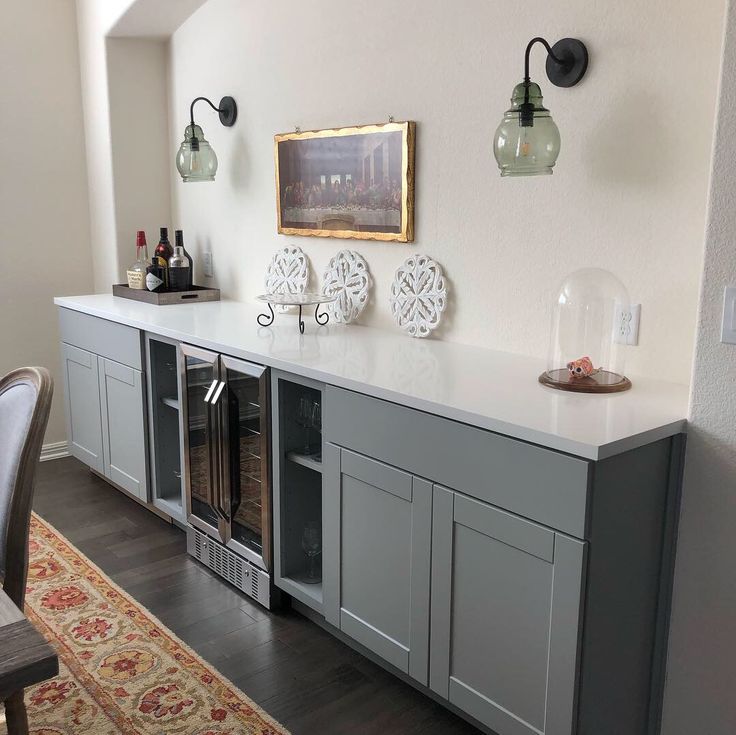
(347, 182)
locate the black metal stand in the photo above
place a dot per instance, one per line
(323, 319)
(266, 320)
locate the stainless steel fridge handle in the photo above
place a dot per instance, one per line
(218, 392)
(209, 392)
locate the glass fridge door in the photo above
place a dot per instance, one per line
(245, 459)
(200, 386)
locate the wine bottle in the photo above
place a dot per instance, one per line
(179, 240)
(163, 252)
(179, 269)
(155, 276)
(137, 271)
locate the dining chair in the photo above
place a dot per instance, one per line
(25, 402)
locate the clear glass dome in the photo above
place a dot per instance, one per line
(584, 355)
(526, 150)
(196, 165)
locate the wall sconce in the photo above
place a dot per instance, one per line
(527, 142)
(196, 160)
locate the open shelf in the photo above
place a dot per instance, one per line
(310, 461)
(164, 434)
(309, 594)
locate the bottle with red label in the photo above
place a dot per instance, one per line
(137, 271)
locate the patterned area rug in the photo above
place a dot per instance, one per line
(121, 672)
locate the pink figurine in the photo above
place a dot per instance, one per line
(582, 368)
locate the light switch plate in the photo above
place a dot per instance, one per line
(728, 324)
(626, 323)
(209, 270)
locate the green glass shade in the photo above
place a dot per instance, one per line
(193, 164)
(531, 149)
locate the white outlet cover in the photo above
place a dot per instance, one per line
(626, 323)
(728, 324)
(209, 271)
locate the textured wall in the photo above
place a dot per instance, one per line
(44, 228)
(628, 194)
(702, 666)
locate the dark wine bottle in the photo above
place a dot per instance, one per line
(179, 240)
(163, 252)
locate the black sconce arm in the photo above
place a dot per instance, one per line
(227, 110)
(537, 39)
(567, 62)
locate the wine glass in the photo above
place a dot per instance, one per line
(304, 419)
(317, 424)
(312, 547)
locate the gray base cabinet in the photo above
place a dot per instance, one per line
(506, 602)
(82, 405)
(104, 398)
(376, 589)
(123, 426)
(548, 576)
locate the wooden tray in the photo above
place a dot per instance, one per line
(166, 298)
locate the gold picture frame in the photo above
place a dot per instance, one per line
(337, 183)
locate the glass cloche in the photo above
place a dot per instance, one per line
(584, 354)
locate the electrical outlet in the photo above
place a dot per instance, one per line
(626, 323)
(728, 324)
(209, 270)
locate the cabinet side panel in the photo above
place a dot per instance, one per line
(628, 518)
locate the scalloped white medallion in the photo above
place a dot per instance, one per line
(288, 271)
(418, 295)
(347, 277)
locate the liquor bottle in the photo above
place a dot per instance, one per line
(163, 252)
(179, 240)
(179, 270)
(137, 271)
(155, 276)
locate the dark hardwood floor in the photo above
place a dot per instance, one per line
(300, 674)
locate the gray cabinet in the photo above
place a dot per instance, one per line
(506, 613)
(82, 405)
(123, 426)
(104, 399)
(376, 573)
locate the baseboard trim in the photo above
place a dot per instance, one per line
(54, 450)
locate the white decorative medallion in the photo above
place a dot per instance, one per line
(418, 295)
(347, 278)
(288, 271)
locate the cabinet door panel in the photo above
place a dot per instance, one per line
(124, 427)
(82, 404)
(506, 608)
(383, 540)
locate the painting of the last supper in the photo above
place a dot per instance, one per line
(347, 182)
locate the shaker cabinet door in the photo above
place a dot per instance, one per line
(506, 605)
(377, 558)
(82, 405)
(124, 427)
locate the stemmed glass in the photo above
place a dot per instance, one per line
(304, 419)
(317, 425)
(312, 546)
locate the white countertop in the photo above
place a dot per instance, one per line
(493, 390)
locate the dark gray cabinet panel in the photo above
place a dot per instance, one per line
(506, 607)
(382, 539)
(82, 405)
(124, 427)
(545, 486)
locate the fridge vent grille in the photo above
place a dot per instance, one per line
(229, 566)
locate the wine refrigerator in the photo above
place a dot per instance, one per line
(226, 422)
